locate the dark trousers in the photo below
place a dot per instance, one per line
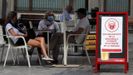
(55, 42)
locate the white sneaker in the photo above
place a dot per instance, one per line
(47, 58)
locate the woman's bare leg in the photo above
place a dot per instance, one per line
(37, 43)
(43, 44)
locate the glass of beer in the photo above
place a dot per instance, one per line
(104, 56)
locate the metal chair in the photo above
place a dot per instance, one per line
(3, 44)
(12, 46)
(81, 44)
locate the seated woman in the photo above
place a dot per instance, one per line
(12, 30)
(48, 24)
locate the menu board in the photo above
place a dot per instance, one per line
(111, 38)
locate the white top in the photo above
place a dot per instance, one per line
(43, 25)
(65, 16)
(8, 27)
(83, 23)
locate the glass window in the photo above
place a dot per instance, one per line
(43, 5)
(22, 5)
(117, 5)
(55, 5)
(79, 4)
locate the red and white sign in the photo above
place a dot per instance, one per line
(111, 34)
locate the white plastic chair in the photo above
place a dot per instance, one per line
(81, 44)
(2, 43)
(12, 46)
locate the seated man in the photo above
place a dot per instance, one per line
(81, 28)
(48, 24)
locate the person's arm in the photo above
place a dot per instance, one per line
(41, 26)
(78, 31)
(57, 27)
(13, 33)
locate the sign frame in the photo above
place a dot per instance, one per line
(120, 57)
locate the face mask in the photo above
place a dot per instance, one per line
(48, 23)
(50, 18)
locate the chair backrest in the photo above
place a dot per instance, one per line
(2, 41)
(86, 33)
(8, 39)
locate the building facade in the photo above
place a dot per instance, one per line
(57, 5)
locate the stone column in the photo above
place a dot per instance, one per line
(0, 9)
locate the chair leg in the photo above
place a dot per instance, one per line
(39, 57)
(89, 59)
(23, 53)
(13, 56)
(62, 55)
(27, 55)
(88, 56)
(30, 52)
(2, 53)
(6, 55)
(17, 56)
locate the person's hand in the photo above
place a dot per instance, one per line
(18, 36)
(25, 35)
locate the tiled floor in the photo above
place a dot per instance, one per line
(83, 69)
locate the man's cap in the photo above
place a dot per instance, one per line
(82, 11)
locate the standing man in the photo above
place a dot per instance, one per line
(66, 14)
